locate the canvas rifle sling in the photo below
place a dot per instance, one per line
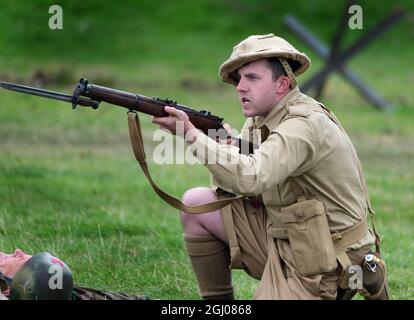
(139, 152)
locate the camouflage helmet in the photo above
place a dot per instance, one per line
(42, 277)
(265, 46)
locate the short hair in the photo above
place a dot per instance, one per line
(276, 67)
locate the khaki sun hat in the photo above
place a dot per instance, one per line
(265, 46)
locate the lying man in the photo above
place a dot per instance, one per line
(45, 277)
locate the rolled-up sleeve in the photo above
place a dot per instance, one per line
(289, 150)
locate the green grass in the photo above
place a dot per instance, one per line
(69, 183)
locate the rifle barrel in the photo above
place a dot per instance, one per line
(48, 94)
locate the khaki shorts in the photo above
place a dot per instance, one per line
(270, 260)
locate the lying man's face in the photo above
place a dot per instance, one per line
(11, 263)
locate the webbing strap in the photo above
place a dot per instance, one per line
(289, 72)
(346, 238)
(343, 240)
(300, 196)
(139, 152)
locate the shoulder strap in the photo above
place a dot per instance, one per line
(139, 152)
(300, 195)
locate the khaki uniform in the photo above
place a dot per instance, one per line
(301, 142)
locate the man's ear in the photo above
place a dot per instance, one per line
(283, 84)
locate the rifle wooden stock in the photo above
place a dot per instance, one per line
(203, 120)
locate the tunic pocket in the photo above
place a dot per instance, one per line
(309, 237)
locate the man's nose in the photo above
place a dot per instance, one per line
(241, 86)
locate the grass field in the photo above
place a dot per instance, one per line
(69, 183)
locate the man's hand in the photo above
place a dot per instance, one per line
(177, 119)
(227, 127)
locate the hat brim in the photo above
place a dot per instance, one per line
(233, 64)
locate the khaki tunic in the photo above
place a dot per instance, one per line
(300, 142)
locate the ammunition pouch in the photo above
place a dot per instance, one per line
(316, 251)
(309, 236)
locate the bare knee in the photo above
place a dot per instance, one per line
(194, 223)
(195, 197)
(199, 195)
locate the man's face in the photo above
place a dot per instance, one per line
(258, 92)
(11, 263)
